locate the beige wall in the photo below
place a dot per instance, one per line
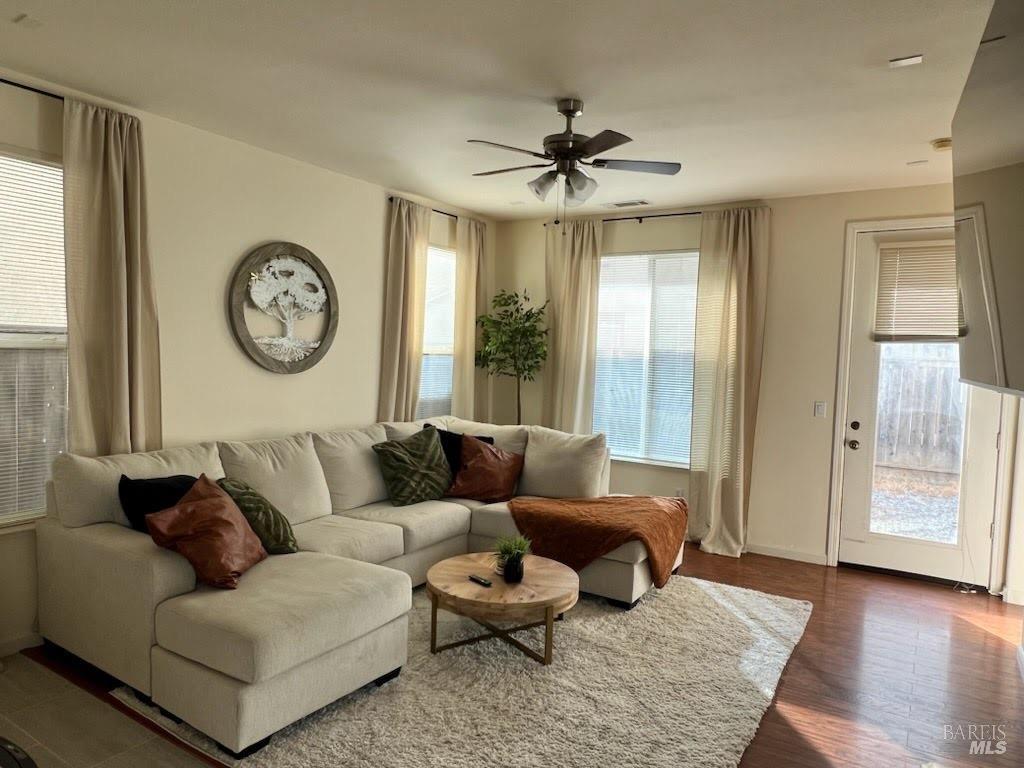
(210, 200)
(792, 449)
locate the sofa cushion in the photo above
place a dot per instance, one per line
(414, 468)
(286, 471)
(423, 524)
(508, 437)
(488, 473)
(451, 444)
(264, 518)
(349, 537)
(559, 465)
(153, 494)
(494, 520)
(85, 489)
(399, 430)
(285, 611)
(209, 530)
(351, 467)
(467, 503)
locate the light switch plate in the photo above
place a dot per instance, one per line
(819, 409)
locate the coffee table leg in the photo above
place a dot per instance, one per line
(433, 623)
(549, 633)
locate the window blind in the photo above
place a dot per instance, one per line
(643, 393)
(31, 246)
(33, 324)
(435, 395)
(918, 295)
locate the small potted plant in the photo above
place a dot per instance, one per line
(508, 556)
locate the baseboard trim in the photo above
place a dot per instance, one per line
(787, 554)
(1014, 596)
(13, 645)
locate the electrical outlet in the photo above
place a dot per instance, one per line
(680, 492)
(820, 409)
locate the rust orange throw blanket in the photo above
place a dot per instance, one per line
(579, 531)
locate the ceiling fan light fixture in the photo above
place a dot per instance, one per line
(579, 187)
(543, 184)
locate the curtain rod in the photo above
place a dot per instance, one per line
(24, 87)
(640, 217)
(443, 213)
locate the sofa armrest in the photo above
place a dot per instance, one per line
(99, 586)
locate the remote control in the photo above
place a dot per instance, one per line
(480, 580)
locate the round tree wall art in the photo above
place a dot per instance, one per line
(283, 307)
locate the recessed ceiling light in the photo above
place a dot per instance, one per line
(916, 162)
(906, 61)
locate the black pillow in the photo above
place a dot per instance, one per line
(144, 497)
(451, 444)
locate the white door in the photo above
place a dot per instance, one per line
(920, 452)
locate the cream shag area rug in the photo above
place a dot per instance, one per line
(681, 680)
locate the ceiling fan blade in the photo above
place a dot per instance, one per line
(602, 142)
(506, 146)
(517, 168)
(643, 166)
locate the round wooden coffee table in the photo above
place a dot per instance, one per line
(548, 590)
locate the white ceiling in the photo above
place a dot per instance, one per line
(756, 98)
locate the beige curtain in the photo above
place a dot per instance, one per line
(732, 285)
(469, 302)
(404, 277)
(113, 339)
(573, 265)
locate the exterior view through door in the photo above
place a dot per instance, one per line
(912, 501)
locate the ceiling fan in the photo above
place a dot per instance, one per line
(568, 152)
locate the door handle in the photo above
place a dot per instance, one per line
(854, 444)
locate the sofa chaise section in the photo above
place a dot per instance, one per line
(292, 621)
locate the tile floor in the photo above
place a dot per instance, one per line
(63, 726)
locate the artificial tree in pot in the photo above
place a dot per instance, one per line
(513, 340)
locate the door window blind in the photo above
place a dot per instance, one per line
(643, 392)
(918, 295)
(33, 326)
(435, 398)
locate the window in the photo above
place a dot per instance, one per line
(438, 335)
(643, 392)
(33, 333)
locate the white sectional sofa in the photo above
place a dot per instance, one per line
(302, 629)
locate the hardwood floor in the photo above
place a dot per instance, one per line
(886, 664)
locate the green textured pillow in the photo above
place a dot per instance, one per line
(415, 469)
(272, 528)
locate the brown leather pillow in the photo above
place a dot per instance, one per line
(209, 529)
(487, 474)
